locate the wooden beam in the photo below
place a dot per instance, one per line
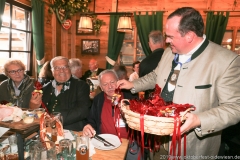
(114, 5)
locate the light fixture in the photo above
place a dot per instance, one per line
(124, 24)
(85, 24)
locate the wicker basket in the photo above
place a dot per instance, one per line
(152, 124)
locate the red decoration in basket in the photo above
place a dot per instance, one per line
(156, 106)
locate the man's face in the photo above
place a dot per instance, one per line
(92, 65)
(177, 42)
(78, 73)
(61, 71)
(16, 73)
(108, 84)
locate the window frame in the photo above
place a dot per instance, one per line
(29, 68)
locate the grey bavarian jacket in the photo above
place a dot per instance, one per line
(210, 82)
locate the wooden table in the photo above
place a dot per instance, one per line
(22, 131)
(116, 154)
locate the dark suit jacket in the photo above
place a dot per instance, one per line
(88, 73)
(150, 62)
(94, 118)
(74, 103)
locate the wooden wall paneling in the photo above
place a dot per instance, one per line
(58, 38)
(54, 37)
(73, 37)
(64, 42)
(25, 2)
(209, 5)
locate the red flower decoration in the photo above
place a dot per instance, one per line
(38, 85)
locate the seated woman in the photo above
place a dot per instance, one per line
(18, 88)
(135, 74)
(66, 95)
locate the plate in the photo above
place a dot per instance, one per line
(108, 137)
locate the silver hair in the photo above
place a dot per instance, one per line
(156, 36)
(75, 64)
(107, 71)
(57, 59)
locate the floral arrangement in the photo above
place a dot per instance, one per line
(64, 9)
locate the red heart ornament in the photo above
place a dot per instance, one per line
(67, 24)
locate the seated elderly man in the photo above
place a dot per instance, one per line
(101, 118)
(93, 70)
(76, 67)
(18, 88)
(66, 95)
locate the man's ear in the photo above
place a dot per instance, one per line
(190, 36)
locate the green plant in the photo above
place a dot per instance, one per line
(66, 8)
(97, 24)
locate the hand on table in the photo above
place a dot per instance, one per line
(88, 131)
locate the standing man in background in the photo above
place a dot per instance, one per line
(93, 70)
(76, 67)
(147, 65)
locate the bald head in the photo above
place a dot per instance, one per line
(93, 65)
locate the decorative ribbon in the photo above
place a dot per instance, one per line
(44, 106)
(176, 140)
(142, 133)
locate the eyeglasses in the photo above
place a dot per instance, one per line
(15, 71)
(58, 68)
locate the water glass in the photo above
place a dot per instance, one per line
(65, 148)
(13, 143)
(82, 148)
(42, 151)
(39, 112)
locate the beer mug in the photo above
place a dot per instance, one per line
(82, 148)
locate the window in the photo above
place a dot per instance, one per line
(231, 39)
(131, 49)
(16, 35)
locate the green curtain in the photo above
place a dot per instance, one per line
(216, 26)
(38, 30)
(2, 6)
(115, 40)
(145, 24)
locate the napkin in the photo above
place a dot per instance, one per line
(2, 131)
(91, 149)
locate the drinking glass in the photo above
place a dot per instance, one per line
(39, 112)
(82, 148)
(56, 115)
(42, 151)
(65, 148)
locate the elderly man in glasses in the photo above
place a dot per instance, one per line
(66, 95)
(17, 89)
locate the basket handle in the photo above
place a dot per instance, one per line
(122, 102)
(183, 114)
